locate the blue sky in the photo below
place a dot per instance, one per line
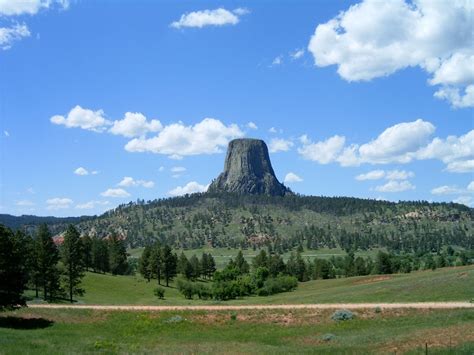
(105, 102)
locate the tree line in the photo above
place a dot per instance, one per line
(54, 271)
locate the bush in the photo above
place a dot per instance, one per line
(175, 319)
(342, 314)
(378, 310)
(233, 316)
(328, 337)
(186, 288)
(159, 292)
(278, 284)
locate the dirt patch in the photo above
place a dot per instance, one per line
(463, 275)
(435, 338)
(372, 280)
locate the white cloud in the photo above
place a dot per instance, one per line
(456, 97)
(252, 125)
(400, 143)
(9, 35)
(375, 39)
(25, 203)
(464, 200)
(121, 193)
(81, 171)
(298, 53)
(87, 119)
(91, 205)
(395, 186)
(178, 169)
(128, 181)
(189, 188)
(161, 168)
(280, 145)
(323, 152)
(217, 17)
(399, 175)
(135, 125)
(241, 11)
(58, 203)
(274, 130)
(28, 7)
(291, 178)
(6, 133)
(177, 140)
(446, 190)
(371, 175)
(396, 142)
(470, 187)
(277, 60)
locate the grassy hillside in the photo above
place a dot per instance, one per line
(447, 284)
(259, 332)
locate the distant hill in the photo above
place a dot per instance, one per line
(30, 222)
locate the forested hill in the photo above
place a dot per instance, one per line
(29, 222)
(282, 223)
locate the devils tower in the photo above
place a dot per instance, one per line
(248, 170)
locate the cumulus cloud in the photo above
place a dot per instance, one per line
(375, 39)
(400, 143)
(323, 152)
(135, 125)
(217, 17)
(291, 178)
(395, 186)
(189, 188)
(446, 190)
(178, 169)
(29, 7)
(470, 187)
(298, 53)
(278, 60)
(81, 171)
(252, 125)
(128, 181)
(176, 140)
(280, 145)
(399, 174)
(25, 203)
(371, 175)
(464, 200)
(86, 119)
(119, 193)
(58, 203)
(10, 35)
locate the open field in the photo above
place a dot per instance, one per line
(441, 285)
(43, 331)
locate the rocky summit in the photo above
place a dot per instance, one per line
(248, 170)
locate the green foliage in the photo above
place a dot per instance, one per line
(13, 268)
(159, 292)
(117, 255)
(342, 315)
(72, 256)
(47, 257)
(278, 284)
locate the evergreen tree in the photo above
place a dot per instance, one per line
(169, 264)
(144, 264)
(383, 263)
(100, 255)
(211, 266)
(72, 257)
(87, 251)
(184, 267)
(261, 260)
(195, 267)
(117, 255)
(47, 259)
(241, 264)
(156, 261)
(13, 269)
(276, 265)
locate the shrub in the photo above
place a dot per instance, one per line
(342, 314)
(233, 316)
(328, 337)
(186, 288)
(159, 292)
(378, 310)
(278, 284)
(175, 319)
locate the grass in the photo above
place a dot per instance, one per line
(447, 284)
(281, 332)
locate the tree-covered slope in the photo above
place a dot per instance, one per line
(281, 223)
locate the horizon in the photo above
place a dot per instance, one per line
(94, 116)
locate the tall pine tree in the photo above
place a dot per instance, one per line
(72, 258)
(47, 259)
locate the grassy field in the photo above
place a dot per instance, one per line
(447, 284)
(283, 332)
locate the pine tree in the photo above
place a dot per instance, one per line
(261, 260)
(241, 264)
(47, 259)
(184, 266)
(195, 267)
(169, 264)
(72, 257)
(13, 269)
(144, 266)
(156, 261)
(87, 251)
(100, 255)
(211, 266)
(117, 255)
